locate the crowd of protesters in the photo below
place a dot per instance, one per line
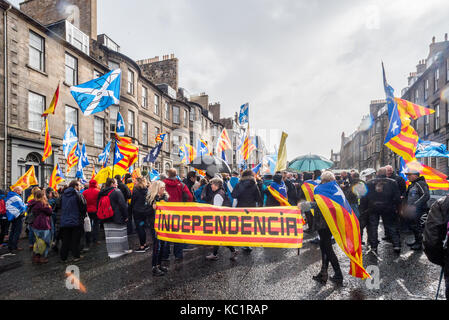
(69, 220)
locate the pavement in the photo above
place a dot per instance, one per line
(264, 274)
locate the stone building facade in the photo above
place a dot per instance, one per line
(428, 86)
(41, 50)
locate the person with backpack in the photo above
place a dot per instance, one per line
(73, 212)
(91, 196)
(177, 192)
(436, 237)
(112, 209)
(15, 209)
(220, 199)
(156, 194)
(41, 226)
(4, 223)
(29, 219)
(140, 211)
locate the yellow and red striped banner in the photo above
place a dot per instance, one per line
(52, 108)
(409, 109)
(197, 223)
(435, 179)
(307, 188)
(47, 147)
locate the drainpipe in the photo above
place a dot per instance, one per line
(5, 102)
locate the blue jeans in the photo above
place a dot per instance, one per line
(31, 238)
(16, 230)
(46, 236)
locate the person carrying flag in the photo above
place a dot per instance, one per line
(325, 236)
(14, 211)
(275, 191)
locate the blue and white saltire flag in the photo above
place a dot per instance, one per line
(154, 175)
(426, 149)
(256, 169)
(244, 114)
(154, 153)
(104, 156)
(120, 127)
(98, 94)
(83, 161)
(403, 169)
(117, 155)
(69, 141)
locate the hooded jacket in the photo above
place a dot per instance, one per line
(125, 190)
(73, 209)
(435, 231)
(118, 204)
(175, 189)
(139, 206)
(41, 215)
(418, 194)
(91, 196)
(247, 193)
(292, 194)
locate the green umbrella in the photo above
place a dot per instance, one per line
(310, 162)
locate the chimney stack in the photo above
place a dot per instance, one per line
(433, 39)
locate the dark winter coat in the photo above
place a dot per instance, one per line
(417, 195)
(206, 194)
(139, 205)
(383, 194)
(118, 204)
(74, 208)
(189, 185)
(401, 183)
(125, 190)
(435, 231)
(292, 194)
(41, 215)
(221, 192)
(247, 193)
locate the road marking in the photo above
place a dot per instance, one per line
(401, 283)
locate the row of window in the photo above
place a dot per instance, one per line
(36, 106)
(436, 87)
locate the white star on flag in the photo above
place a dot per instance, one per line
(394, 127)
(119, 124)
(340, 194)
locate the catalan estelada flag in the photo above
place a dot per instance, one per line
(197, 223)
(56, 177)
(279, 192)
(414, 111)
(123, 140)
(401, 138)
(224, 143)
(73, 157)
(183, 154)
(435, 179)
(27, 180)
(203, 148)
(343, 224)
(47, 147)
(308, 187)
(52, 108)
(160, 138)
(191, 153)
(247, 147)
(130, 154)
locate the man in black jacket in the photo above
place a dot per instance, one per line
(416, 208)
(382, 200)
(292, 193)
(435, 237)
(189, 181)
(247, 192)
(127, 195)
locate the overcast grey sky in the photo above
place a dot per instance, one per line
(310, 68)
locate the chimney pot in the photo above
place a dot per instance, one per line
(445, 37)
(433, 39)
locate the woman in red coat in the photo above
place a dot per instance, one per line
(91, 196)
